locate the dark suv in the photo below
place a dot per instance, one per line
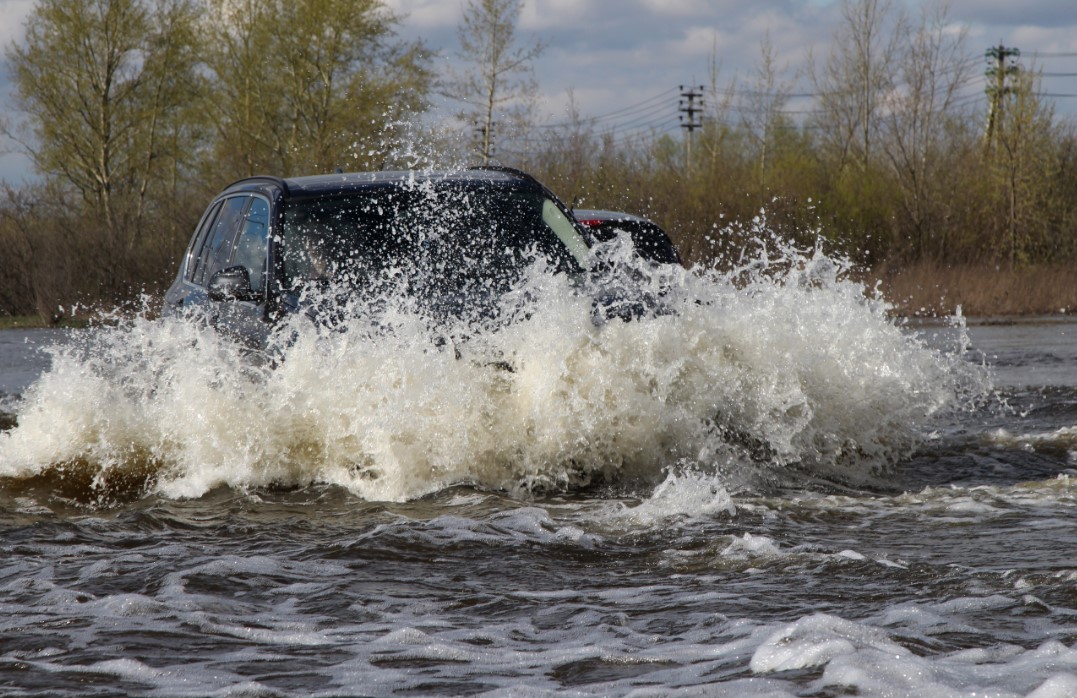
(450, 240)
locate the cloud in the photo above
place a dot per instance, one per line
(614, 54)
(14, 166)
(1004, 13)
(542, 14)
(13, 14)
(678, 8)
(427, 14)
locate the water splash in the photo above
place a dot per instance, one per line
(783, 363)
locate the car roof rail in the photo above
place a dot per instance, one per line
(279, 181)
(505, 169)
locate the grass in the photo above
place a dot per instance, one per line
(19, 322)
(919, 290)
(16, 322)
(928, 289)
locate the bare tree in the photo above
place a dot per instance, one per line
(765, 99)
(100, 81)
(717, 122)
(930, 70)
(855, 78)
(498, 77)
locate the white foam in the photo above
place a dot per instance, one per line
(792, 368)
(750, 546)
(862, 658)
(815, 641)
(681, 494)
(1056, 686)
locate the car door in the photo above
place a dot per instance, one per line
(233, 233)
(245, 316)
(184, 293)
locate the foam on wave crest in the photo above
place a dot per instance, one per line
(782, 363)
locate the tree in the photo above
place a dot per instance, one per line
(765, 101)
(499, 76)
(308, 86)
(102, 82)
(852, 85)
(930, 69)
(1021, 168)
(855, 79)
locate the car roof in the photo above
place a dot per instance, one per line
(329, 184)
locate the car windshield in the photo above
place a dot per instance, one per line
(440, 240)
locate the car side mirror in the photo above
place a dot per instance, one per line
(233, 283)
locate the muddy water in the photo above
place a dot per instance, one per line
(777, 492)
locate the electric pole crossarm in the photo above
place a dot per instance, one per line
(691, 115)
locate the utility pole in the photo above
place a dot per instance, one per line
(692, 116)
(1002, 64)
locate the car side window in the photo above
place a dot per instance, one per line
(194, 255)
(251, 243)
(218, 248)
(565, 231)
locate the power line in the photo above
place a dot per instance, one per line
(654, 99)
(651, 115)
(1048, 54)
(644, 105)
(644, 121)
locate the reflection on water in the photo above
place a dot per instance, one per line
(1026, 352)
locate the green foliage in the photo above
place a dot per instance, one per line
(135, 111)
(1021, 160)
(307, 86)
(105, 86)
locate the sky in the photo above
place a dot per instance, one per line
(622, 61)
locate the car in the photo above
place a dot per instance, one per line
(453, 241)
(648, 239)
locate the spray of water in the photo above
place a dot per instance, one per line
(782, 364)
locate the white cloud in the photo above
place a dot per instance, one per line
(14, 166)
(538, 15)
(615, 54)
(428, 14)
(13, 15)
(1005, 13)
(678, 8)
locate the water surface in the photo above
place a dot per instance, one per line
(778, 491)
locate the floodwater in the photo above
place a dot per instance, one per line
(776, 491)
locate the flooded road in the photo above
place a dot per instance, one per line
(877, 511)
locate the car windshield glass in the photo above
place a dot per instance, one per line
(451, 237)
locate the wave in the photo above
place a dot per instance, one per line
(783, 363)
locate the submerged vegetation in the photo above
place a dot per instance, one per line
(134, 112)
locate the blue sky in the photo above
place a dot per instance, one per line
(629, 56)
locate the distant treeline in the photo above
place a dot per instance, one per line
(894, 166)
(136, 112)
